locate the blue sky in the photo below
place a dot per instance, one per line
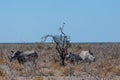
(86, 20)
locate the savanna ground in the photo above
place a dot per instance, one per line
(106, 66)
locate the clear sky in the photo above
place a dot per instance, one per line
(86, 20)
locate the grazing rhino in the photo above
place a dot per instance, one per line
(87, 55)
(24, 56)
(73, 58)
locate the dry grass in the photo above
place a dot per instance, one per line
(106, 66)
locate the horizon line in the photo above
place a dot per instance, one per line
(53, 43)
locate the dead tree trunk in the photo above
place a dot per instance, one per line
(62, 44)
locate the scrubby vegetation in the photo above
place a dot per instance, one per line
(106, 66)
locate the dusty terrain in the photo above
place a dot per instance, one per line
(106, 66)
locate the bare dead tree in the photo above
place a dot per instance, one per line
(62, 42)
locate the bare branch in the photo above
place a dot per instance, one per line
(61, 29)
(45, 37)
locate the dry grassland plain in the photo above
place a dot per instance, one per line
(105, 67)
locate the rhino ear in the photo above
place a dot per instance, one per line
(89, 51)
(12, 51)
